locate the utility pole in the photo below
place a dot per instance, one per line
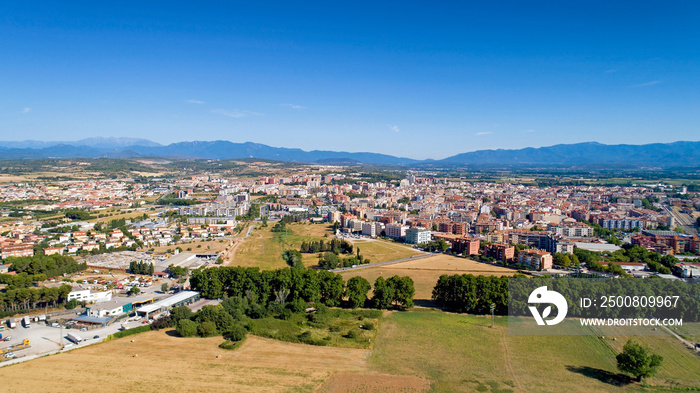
(493, 308)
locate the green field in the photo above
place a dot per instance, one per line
(264, 248)
(462, 353)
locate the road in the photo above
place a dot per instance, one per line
(345, 269)
(230, 250)
(682, 220)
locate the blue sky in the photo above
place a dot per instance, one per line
(412, 79)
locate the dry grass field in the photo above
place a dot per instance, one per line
(172, 364)
(264, 248)
(382, 251)
(426, 271)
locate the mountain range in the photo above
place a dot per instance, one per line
(686, 154)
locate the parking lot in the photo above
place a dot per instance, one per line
(44, 339)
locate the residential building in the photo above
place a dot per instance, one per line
(538, 259)
(418, 235)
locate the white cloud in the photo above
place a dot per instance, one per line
(483, 133)
(394, 128)
(195, 102)
(235, 113)
(294, 106)
(26, 110)
(652, 83)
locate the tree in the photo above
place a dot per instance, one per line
(356, 291)
(164, 288)
(207, 329)
(180, 312)
(383, 294)
(134, 291)
(186, 328)
(403, 290)
(635, 359)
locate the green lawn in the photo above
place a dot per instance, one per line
(462, 353)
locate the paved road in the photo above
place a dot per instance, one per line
(345, 269)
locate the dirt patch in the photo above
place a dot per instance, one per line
(344, 382)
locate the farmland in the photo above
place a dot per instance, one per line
(426, 271)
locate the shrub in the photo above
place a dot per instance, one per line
(129, 332)
(207, 329)
(236, 333)
(186, 328)
(351, 334)
(368, 326)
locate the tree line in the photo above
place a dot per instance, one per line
(49, 265)
(474, 294)
(336, 246)
(141, 268)
(23, 299)
(300, 285)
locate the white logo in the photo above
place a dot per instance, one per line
(542, 295)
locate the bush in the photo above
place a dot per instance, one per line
(297, 305)
(186, 328)
(236, 333)
(207, 329)
(285, 314)
(129, 332)
(368, 326)
(351, 334)
(162, 323)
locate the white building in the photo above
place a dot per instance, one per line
(418, 235)
(86, 295)
(372, 229)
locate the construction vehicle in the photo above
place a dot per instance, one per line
(15, 347)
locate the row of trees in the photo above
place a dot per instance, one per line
(300, 285)
(474, 294)
(141, 268)
(22, 299)
(22, 280)
(49, 265)
(336, 246)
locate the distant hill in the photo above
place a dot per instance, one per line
(685, 154)
(589, 153)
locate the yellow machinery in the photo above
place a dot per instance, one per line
(15, 347)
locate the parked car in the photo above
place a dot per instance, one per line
(10, 355)
(8, 338)
(96, 337)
